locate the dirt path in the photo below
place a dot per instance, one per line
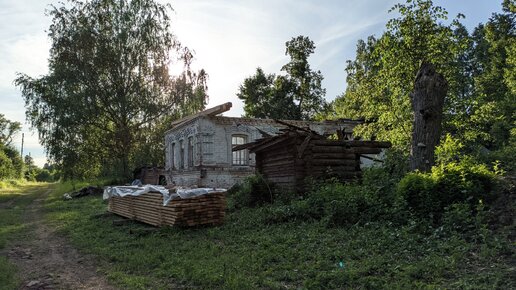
(46, 261)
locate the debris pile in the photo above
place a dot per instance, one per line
(85, 191)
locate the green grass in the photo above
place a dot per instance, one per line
(250, 252)
(13, 201)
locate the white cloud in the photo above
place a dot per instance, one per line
(27, 54)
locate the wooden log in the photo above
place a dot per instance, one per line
(366, 150)
(332, 155)
(285, 162)
(277, 153)
(326, 162)
(346, 168)
(330, 149)
(352, 143)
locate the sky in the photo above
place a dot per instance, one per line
(230, 39)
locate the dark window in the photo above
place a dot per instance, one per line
(240, 156)
(172, 155)
(190, 152)
(181, 154)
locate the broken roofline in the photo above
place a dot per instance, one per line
(213, 112)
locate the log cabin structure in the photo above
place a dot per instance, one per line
(150, 175)
(198, 148)
(287, 160)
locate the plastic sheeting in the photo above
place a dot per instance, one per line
(167, 197)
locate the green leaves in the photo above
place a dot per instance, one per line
(479, 105)
(109, 85)
(298, 95)
(8, 129)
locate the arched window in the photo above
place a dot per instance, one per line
(172, 155)
(190, 152)
(240, 157)
(181, 154)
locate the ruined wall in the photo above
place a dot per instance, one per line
(212, 164)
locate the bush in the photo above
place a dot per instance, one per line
(428, 194)
(6, 166)
(459, 217)
(253, 191)
(16, 161)
(337, 204)
(417, 190)
(449, 150)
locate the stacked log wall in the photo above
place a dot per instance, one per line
(332, 158)
(277, 165)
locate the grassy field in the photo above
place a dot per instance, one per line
(251, 251)
(14, 198)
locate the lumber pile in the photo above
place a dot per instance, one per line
(208, 209)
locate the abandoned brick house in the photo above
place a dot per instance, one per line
(199, 147)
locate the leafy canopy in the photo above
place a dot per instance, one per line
(479, 68)
(297, 95)
(109, 84)
(8, 129)
(381, 77)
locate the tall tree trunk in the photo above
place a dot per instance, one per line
(430, 88)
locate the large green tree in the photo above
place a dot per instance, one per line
(8, 129)
(11, 163)
(382, 75)
(494, 91)
(109, 82)
(296, 95)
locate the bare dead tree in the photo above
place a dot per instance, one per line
(430, 88)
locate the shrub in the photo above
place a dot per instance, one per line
(340, 204)
(417, 190)
(428, 194)
(449, 150)
(459, 217)
(16, 160)
(252, 191)
(6, 166)
(396, 163)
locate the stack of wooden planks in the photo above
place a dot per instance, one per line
(208, 209)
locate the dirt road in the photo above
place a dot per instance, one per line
(46, 261)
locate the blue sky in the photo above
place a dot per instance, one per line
(230, 38)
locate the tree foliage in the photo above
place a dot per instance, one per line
(297, 95)
(479, 68)
(8, 129)
(493, 55)
(11, 163)
(381, 77)
(109, 83)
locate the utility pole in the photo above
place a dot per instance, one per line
(22, 137)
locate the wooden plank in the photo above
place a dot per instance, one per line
(148, 208)
(208, 112)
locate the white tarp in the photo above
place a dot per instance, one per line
(167, 197)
